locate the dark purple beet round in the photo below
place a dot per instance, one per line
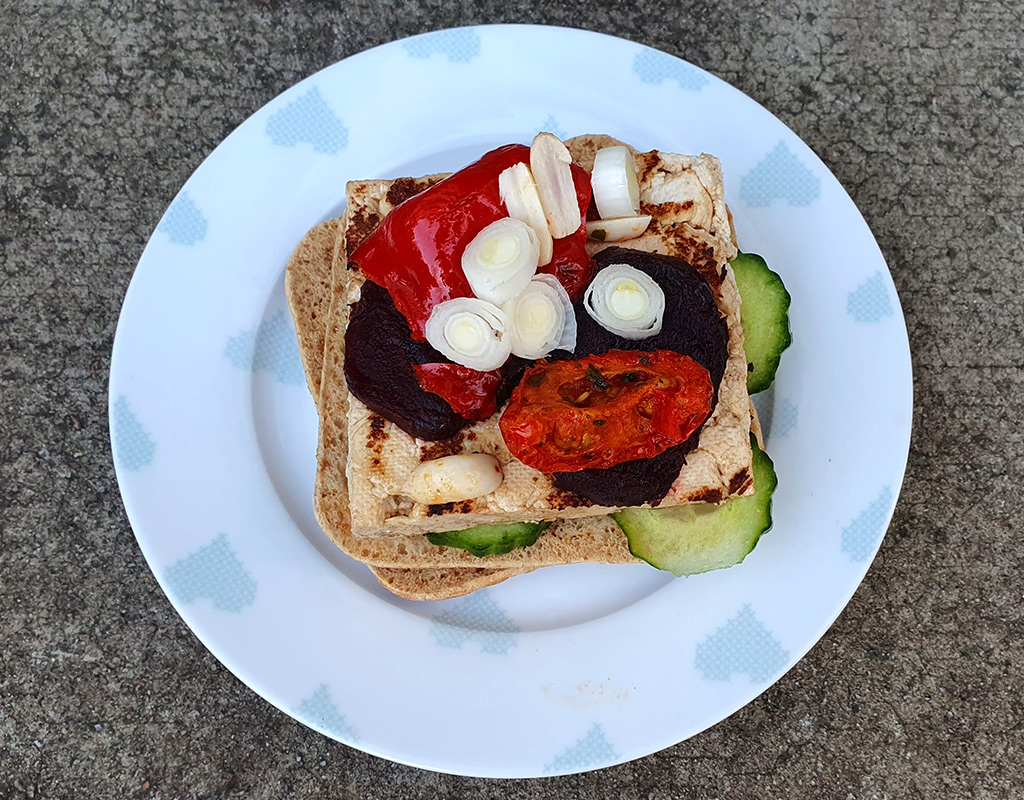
(693, 326)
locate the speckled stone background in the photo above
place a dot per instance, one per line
(106, 108)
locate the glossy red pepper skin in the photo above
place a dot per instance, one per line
(416, 251)
(605, 409)
(469, 392)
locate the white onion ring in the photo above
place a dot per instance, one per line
(617, 230)
(541, 319)
(626, 301)
(471, 332)
(501, 259)
(615, 185)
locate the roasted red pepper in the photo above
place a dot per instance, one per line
(416, 252)
(469, 392)
(599, 411)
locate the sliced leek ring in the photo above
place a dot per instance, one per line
(615, 185)
(549, 163)
(617, 230)
(471, 332)
(626, 301)
(501, 259)
(541, 319)
(521, 198)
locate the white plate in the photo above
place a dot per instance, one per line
(569, 668)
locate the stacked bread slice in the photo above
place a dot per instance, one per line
(363, 459)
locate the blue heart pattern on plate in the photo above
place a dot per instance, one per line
(184, 223)
(478, 618)
(780, 176)
(650, 66)
(870, 301)
(860, 537)
(319, 709)
(742, 646)
(593, 749)
(132, 446)
(785, 418)
(309, 120)
(271, 347)
(551, 126)
(460, 45)
(213, 572)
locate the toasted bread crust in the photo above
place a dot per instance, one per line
(686, 196)
(439, 584)
(307, 286)
(407, 563)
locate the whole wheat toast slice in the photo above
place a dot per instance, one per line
(686, 194)
(592, 539)
(416, 568)
(597, 539)
(308, 281)
(307, 286)
(440, 584)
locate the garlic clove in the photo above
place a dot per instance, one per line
(549, 163)
(521, 198)
(453, 478)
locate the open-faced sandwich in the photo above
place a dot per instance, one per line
(538, 360)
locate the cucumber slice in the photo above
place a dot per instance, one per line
(764, 314)
(700, 537)
(491, 540)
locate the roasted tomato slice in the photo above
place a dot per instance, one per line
(599, 411)
(469, 392)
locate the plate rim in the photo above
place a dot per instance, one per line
(238, 669)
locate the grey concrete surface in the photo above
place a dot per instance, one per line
(105, 109)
